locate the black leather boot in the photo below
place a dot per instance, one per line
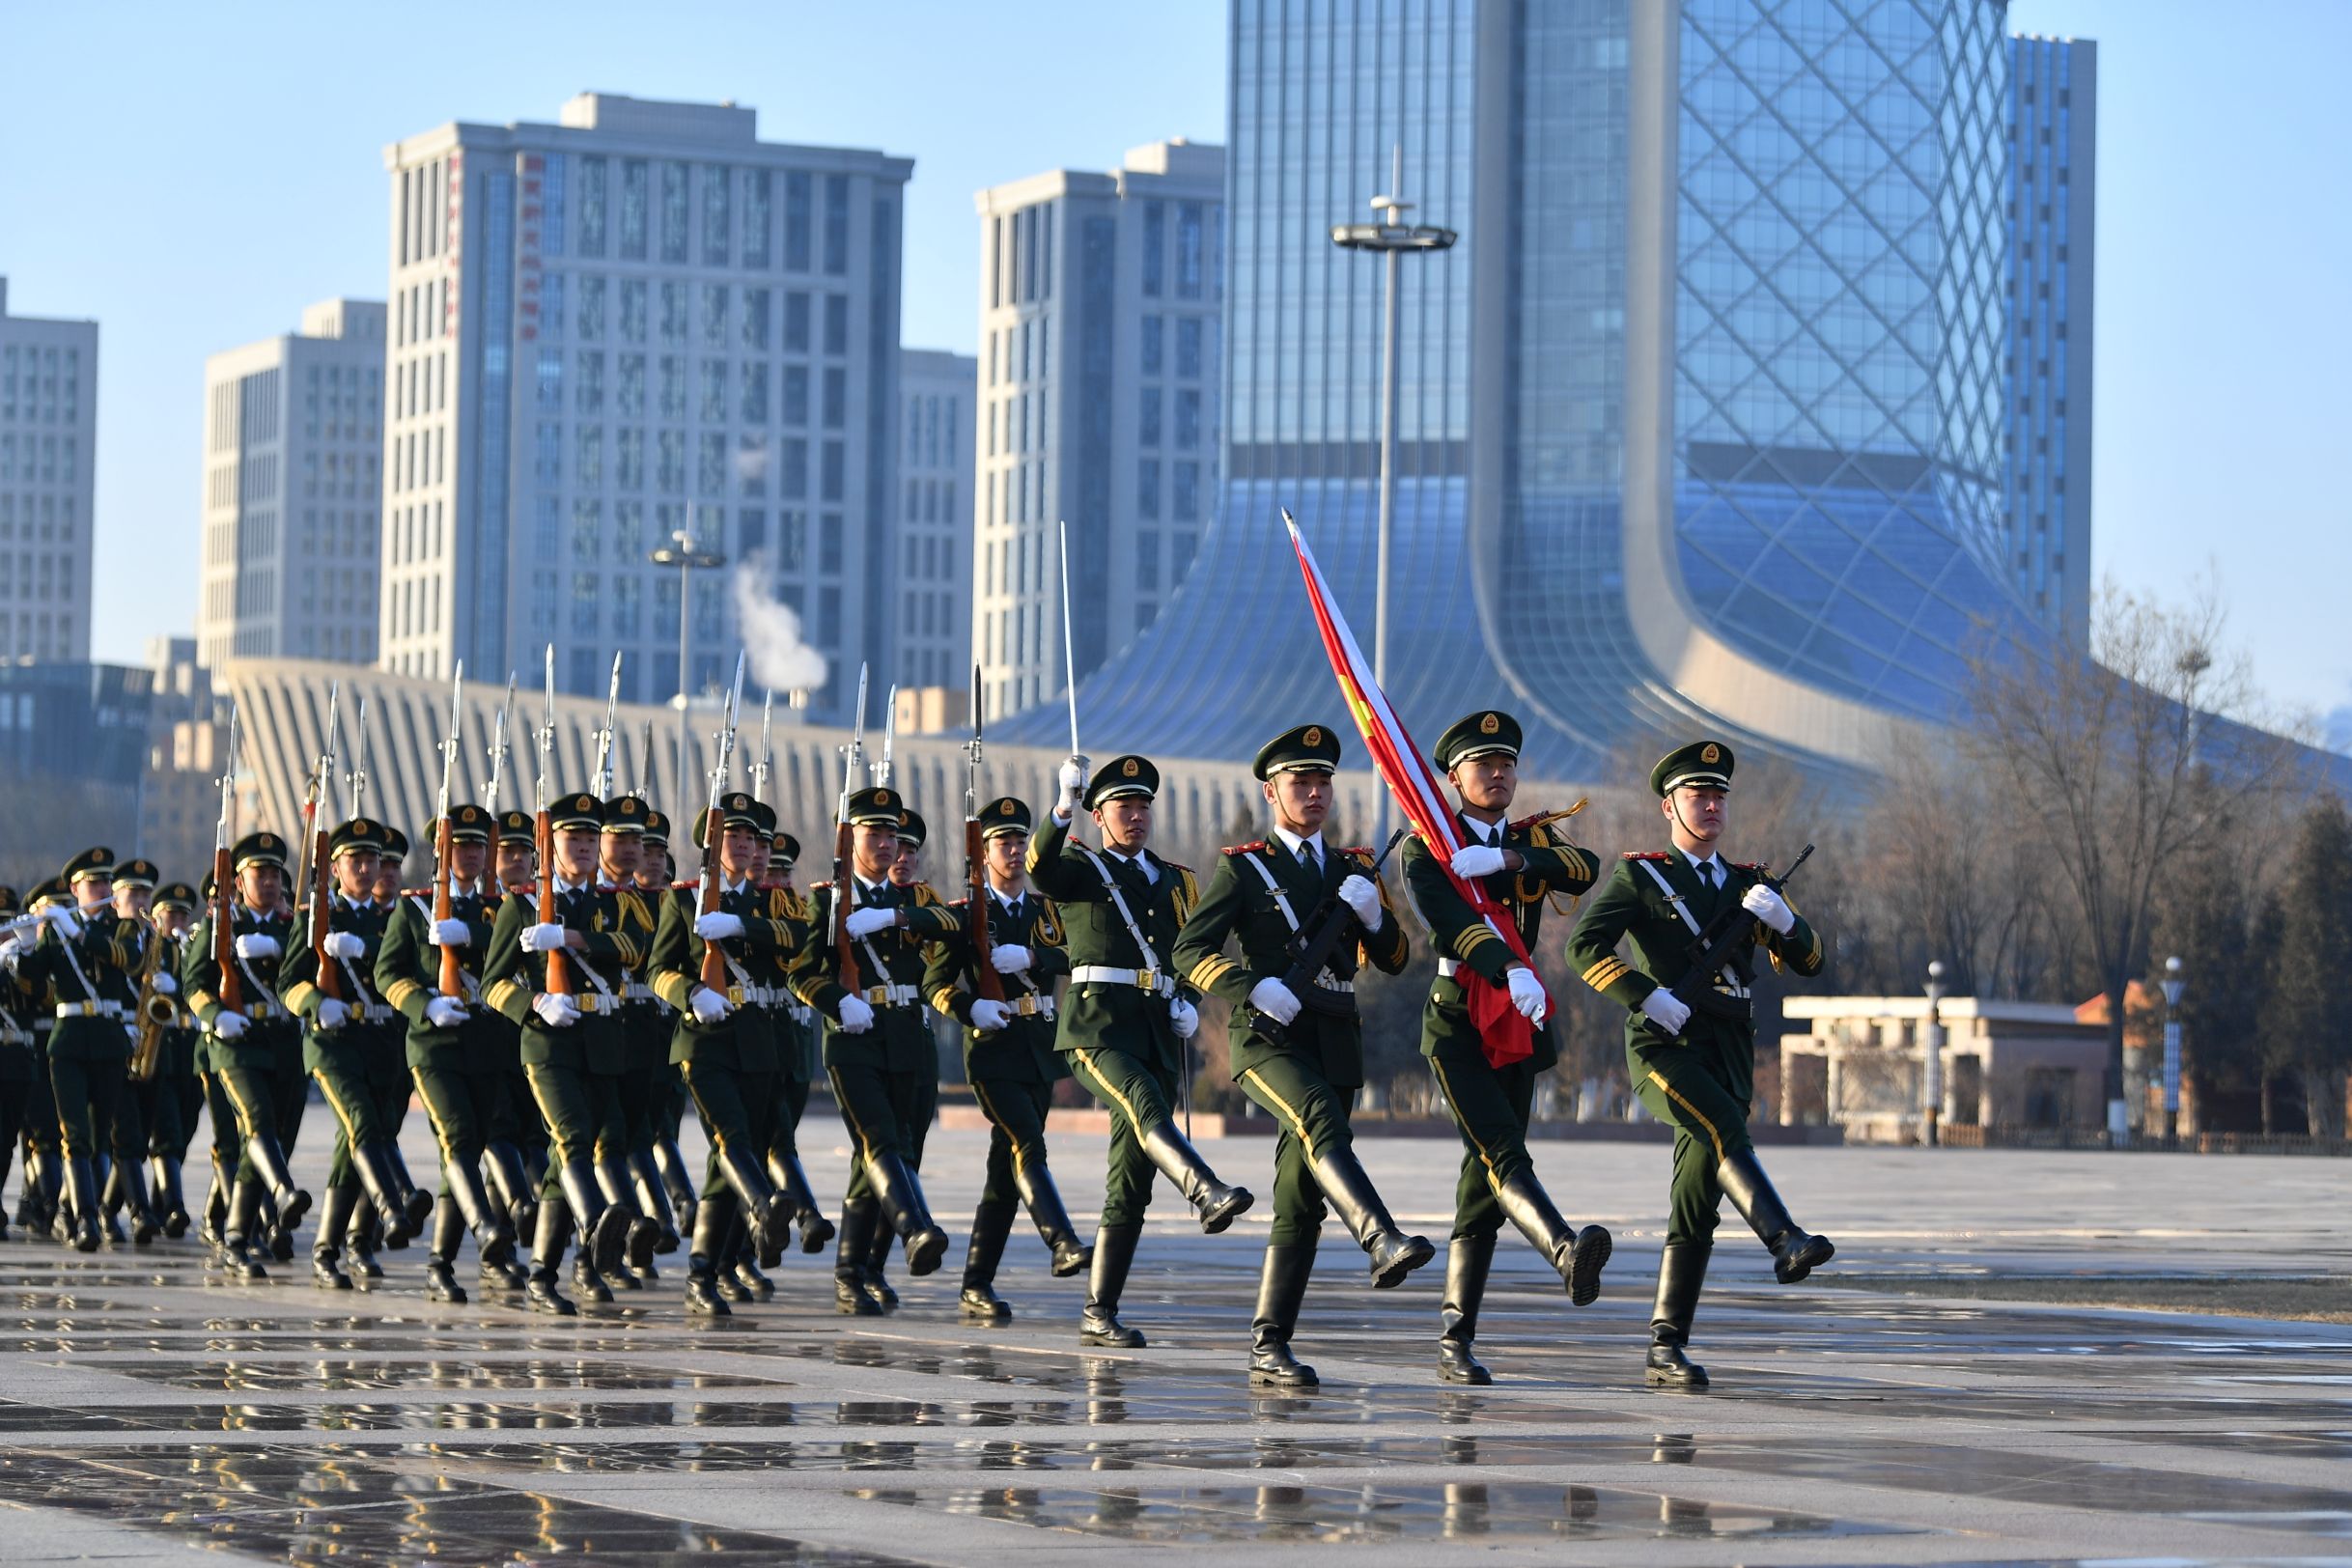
(1795, 1253)
(360, 1235)
(621, 1232)
(1467, 1262)
(978, 1300)
(1682, 1270)
(238, 1224)
(1044, 1201)
(585, 1202)
(792, 1180)
(215, 1218)
(762, 1208)
(653, 1201)
(110, 1199)
(82, 1193)
(448, 1230)
(461, 1185)
(510, 1185)
(712, 1221)
(1347, 1189)
(326, 1243)
(416, 1205)
(1578, 1254)
(876, 1276)
(1217, 1204)
(743, 1264)
(1281, 1288)
(170, 1201)
(383, 1190)
(548, 1240)
(146, 1223)
(899, 1193)
(859, 1219)
(1114, 1253)
(685, 1196)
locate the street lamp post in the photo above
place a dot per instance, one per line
(1932, 1049)
(2174, 987)
(680, 553)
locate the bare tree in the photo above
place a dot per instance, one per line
(2129, 758)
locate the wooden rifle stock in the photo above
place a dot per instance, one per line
(445, 849)
(714, 957)
(987, 982)
(321, 917)
(224, 929)
(843, 848)
(559, 972)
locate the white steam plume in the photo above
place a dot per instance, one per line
(771, 631)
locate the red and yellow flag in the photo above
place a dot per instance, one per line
(1506, 1035)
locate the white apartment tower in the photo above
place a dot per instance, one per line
(1101, 299)
(293, 478)
(48, 478)
(939, 393)
(638, 321)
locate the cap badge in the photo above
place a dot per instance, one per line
(1491, 724)
(1313, 736)
(1711, 753)
(1005, 809)
(1132, 770)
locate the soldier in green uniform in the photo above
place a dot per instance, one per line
(879, 1054)
(123, 1178)
(574, 1054)
(1693, 1068)
(352, 1050)
(174, 1091)
(645, 1022)
(243, 1052)
(796, 1048)
(1300, 1057)
(518, 1149)
(16, 1059)
(452, 1052)
(1520, 865)
(43, 1167)
(88, 960)
(657, 876)
(1009, 1054)
(389, 860)
(1126, 1018)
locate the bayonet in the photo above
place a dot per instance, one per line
(359, 764)
(604, 736)
(645, 765)
(1068, 644)
(975, 859)
(760, 765)
(715, 974)
(444, 840)
(882, 771)
(559, 972)
(852, 763)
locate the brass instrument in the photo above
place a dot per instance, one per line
(156, 1012)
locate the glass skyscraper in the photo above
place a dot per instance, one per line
(1704, 422)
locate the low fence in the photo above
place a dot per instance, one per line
(1964, 1137)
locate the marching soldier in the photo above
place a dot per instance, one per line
(388, 862)
(1124, 1020)
(517, 1133)
(16, 1059)
(44, 1165)
(1299, 1054)
(645, 1020)
(1519, 865)
(359, 1063)
(173, 1092)
(1009, 1056)
(1693, 1067)
(796, 1046)
(122, 1177)
(657, 872)
(453, 1053)
(86, 961)
(573, 1053)
(879, 1052)
(244, 1048)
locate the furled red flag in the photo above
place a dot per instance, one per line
(1505, 1035)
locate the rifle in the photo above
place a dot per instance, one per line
(604, 737)
(497, 753)
(760, 764)
(444, 840)
(318, 918)
(988, 981)
(359, 765)
(882, 769)
(315, 786)
(1724, 940)
(1312, 945)
(714, 957)
(852, 763)
(645, 765)
(542, 832)
(224, 876)
(1069, 643)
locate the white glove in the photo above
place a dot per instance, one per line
(1009, 958)
(1071, 777)
(710, 1006)
(989, 1016)
(554, 1010)
(229, 1023)
(1185, 1017)
(1769, 907)
(1477, 861)
(331, 1014)
(450, 934)
(865, 922)
(542, 938)
(345, 944)
(165, 985)
(445, 1012)
(718, 926)
(1666, 1010)
(69, 924)
(1527, 994)
(1365, 899)
(257, 944)
(1274, 999)
(856, 1017)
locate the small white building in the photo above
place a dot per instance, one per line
(1863, 1065)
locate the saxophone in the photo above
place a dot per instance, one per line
(156, 1011)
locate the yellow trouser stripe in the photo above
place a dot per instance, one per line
(1298, 1123)
(336, 1105)
(848, 1114)
(247, 1118)
(1111, 1089)
(1675, 1095)
(989, 1112)
(1462, 1121)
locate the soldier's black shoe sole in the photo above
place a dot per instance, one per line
(1399, 1258)
(1281, 1370)
(926, 1249)
(1585, 1260)
(1802, 1259)
(1225, 1211)
(1111, 1335)
(1456, 1364)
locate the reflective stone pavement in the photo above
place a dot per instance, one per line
(150, 1410)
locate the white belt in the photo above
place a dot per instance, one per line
(1031, 1006)
(1447, 966)
(372, 1013)
(1101, 974)
(588, 1003)
(800, 1012)
(889, 995)
(88, 1009)
(1343, 988)
(636, 990)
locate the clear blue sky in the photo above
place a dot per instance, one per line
(192, 180)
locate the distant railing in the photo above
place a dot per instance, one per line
(1964, 1137)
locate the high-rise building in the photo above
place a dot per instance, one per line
(292, 477)
(933, 619)
(1101, 333)
(1701, 423)
(48, 480)
(2053, 108)
(638, 322)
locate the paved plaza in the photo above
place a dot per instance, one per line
(152, 1411)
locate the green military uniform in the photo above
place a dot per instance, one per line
(646, 1024)
(35, 1011)
(573, 1053)
(1119, 1027)
(797, 1047)
(1012, 1067)
(668, 1109)
(352, 1048)
(886, 1072)
(452, 1055)
(89, 963)
(518, 1133)
(1303, 1069)
(1697, 1078)
(1492, 1101)
(16, 1063)
(244, 1053)
(173, 1092)
(138, 1103)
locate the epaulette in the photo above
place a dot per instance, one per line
(1250, 847)
(687, 886)
(1748, 865)
(416, 893)
(1647, 855)
(1365, 849)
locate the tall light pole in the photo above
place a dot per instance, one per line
(680, 553)
(1932, 1051)
(2173, 985)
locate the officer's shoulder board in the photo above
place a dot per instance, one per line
(1749, 865)
(1647, 855)
(923, 894)
(1250, 847)
(1362, 852)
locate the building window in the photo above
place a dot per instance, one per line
(673, 213)
(837, 224)
(796, 322)
(1147, 488)
(1155, 246)
(593, 171)
(591, 326)
(755, 320)
(834, 475)
(753, 402)
(717, 219)
(1188, 349)
(1147, 417)
(829, 543)
(1154, 347)
(795, 394)
(1147, 562)
(796, 218)
(1188, 419)
(836, 326)
(632, 310)
(672, 314)
(757, 188)
(714, 316)
(836, 397)
(588, 387)
(1184, 503)
(632, 209)
(1190, 244)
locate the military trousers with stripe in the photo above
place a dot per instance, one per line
(462, 1105)
(1139, 1094)
(581, 1111)
(1314, 1116)
(363, 1072)
(1490, 1106)
(1015, 1112)
(242, 1094)
(736, 1106)
(1693, 1086)
(887, 1111)
(89, 1089)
